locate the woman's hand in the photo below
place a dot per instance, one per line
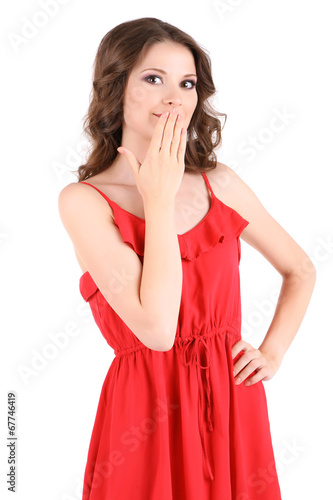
(254, 360)
(160, 174)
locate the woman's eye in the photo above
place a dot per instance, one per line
(152, 77)
(192, 82)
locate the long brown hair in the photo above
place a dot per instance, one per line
(118, 52)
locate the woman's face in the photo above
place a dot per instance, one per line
(165, 78)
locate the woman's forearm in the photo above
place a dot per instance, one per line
(295, 294)
(161, 282)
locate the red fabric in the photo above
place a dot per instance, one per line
(173, 425)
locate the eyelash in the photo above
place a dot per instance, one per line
(156, 76)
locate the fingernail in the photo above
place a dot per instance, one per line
(165, 114)
(180, 117)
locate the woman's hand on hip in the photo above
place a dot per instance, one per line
(260, 365)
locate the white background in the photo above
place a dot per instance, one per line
(267, 58)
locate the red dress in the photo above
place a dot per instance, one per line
(173, 425)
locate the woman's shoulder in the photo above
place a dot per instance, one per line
(227, 185)
(76, 198)
(80, 190)
(74, 193)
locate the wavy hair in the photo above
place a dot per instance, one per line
(119, 51)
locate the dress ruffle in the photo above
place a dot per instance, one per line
(87, 286)
(222, 226)
(215, 228)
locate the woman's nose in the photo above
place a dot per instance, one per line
(172, 97)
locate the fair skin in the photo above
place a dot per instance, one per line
(150, 182)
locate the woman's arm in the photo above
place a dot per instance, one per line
(116, 269)
(296, 268)
(146, 297)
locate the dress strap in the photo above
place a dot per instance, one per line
(208, 184)
(110, 202)
(104, 195)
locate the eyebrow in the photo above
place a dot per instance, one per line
(164, 72)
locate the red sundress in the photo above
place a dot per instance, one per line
(173, 425)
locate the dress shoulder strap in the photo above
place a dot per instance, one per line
(104, 195)
(208, 184)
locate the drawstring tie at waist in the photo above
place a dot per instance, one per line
(193, 347)
(191, 354)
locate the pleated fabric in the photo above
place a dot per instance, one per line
(173, 425)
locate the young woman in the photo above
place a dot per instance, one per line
(182, 413)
